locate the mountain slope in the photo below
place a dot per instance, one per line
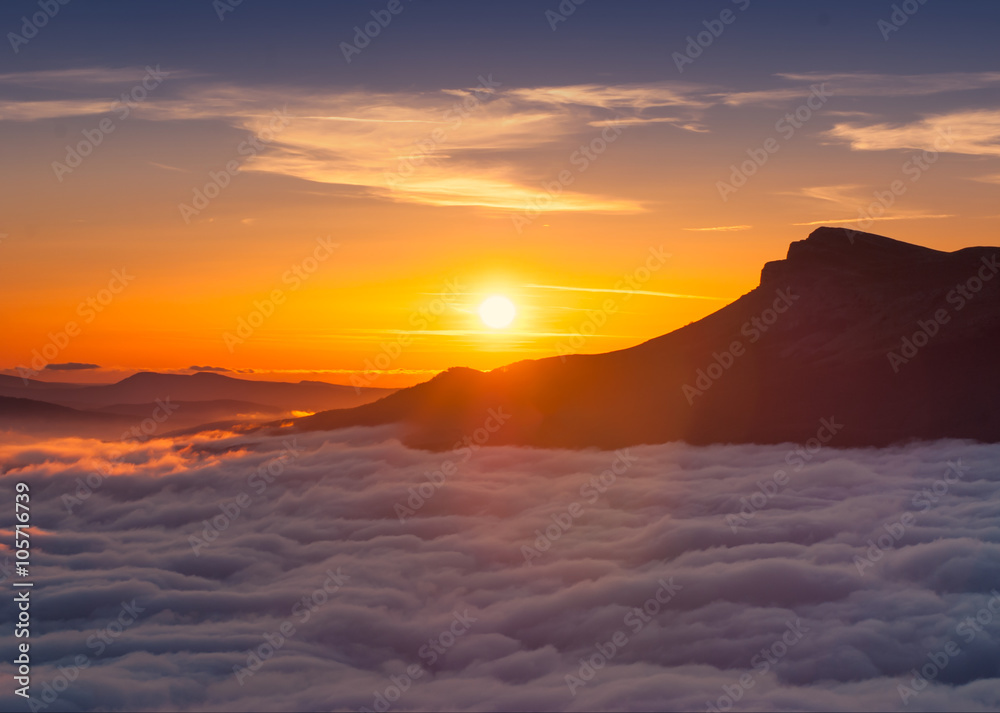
(147, 387)
(39, 417)
(812, 341)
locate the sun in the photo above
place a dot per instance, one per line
(497, 312)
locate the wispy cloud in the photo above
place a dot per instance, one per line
(993, 178)
(82, 79)
(974, 132)
(898, 85)
(685, 124)
(650, 293)
(720, 229)
(408, 147)
(843, 195)
(621, 96)
(437, 148)
(505, 333)
(853, 198)
(53, 109)
(865, 84)
(907, 216)
(461, 147)
(165, 167)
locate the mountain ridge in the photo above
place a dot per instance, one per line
(811, 341)
(147, 386)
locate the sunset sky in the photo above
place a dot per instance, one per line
(387, 196)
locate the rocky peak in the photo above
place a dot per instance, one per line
(842, 250)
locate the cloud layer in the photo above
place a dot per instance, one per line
(490, 145)
(851, 570)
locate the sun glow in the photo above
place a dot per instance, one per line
(497, 312)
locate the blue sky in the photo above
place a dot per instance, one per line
(628, 40)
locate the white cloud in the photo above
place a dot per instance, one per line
(333, 506)
(974, 132)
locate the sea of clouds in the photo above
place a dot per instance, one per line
(343, 571)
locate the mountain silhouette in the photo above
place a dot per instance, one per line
(41, 418)
(892, 341)
(196, 401)
(145, 387)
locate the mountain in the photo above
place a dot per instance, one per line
(163, 403)
(886, 341)
(16, 382)
(39, 417)
(200, 411)
(147, 387)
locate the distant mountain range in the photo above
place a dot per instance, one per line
(191, 399)
(42, 418)
(884, 340)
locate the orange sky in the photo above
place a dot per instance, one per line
(329, 163)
